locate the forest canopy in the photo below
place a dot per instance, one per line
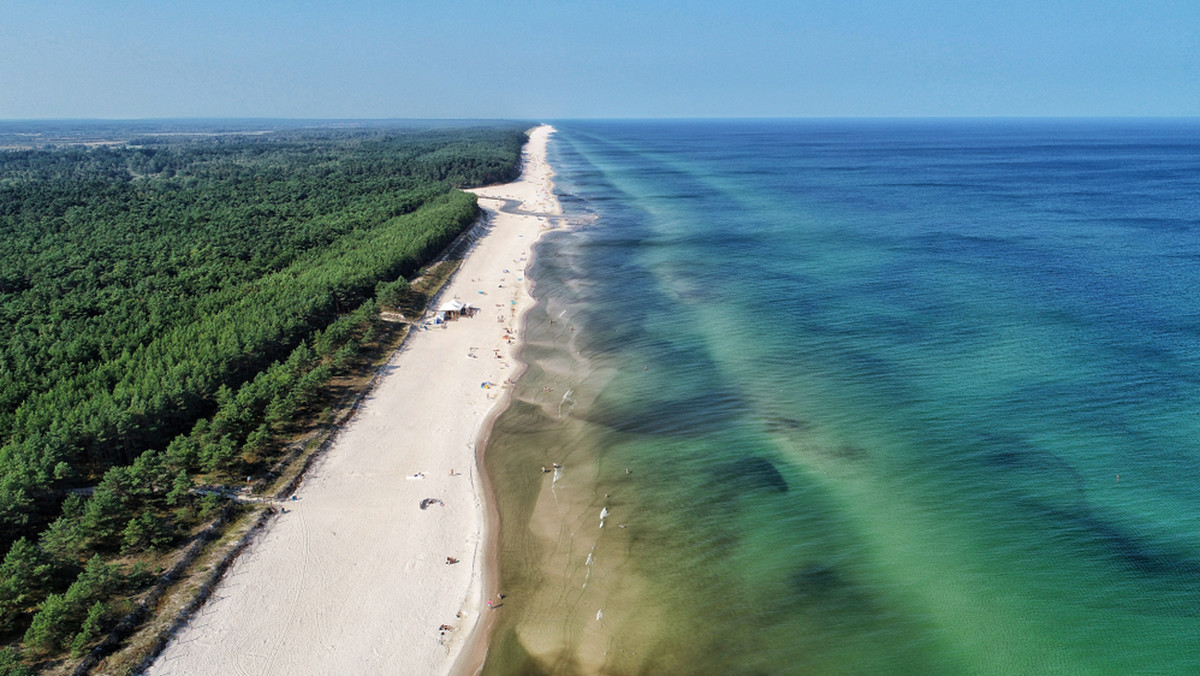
(169, 300)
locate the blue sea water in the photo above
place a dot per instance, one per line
(864, 397)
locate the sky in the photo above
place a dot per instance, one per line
(559, 59)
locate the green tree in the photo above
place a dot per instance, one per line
(10, 663)
(50, 626)
(104, 516)
(210, 504)
(258, 441)
(147, 531)
(90, 630)
(98, 580)
(218, 454)
(181, 490)
(24, 575)
(15, 502)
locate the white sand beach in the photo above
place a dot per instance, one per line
(354, 578)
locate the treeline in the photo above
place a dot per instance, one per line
(168, 309)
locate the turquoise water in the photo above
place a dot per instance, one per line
(863, 397)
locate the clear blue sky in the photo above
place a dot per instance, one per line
(545, 59)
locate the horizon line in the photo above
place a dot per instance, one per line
(596, 118)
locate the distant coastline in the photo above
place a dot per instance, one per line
(37, 134)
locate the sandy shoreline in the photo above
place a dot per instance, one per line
(354, 577)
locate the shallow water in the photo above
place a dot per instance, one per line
(893, 397)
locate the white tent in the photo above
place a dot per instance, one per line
(451, 309)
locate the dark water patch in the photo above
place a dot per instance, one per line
(750, 473)
(798, 435)
(1018, 456)
(869, 367)
(729, 242)
(849, 452)
(1018, 471)
(614, 247)
(1137, 553)
(679, 360)
(682, 196)
(1158, 224)
(710, 413)
(573, 204)
(1140, 554)
(826, 588)
(1014, 452)
(800, 307)
(613, 337)
(817, 580)
(1051, 489)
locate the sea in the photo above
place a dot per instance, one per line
(858, 397)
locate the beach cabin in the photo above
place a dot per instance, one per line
(453, 309)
